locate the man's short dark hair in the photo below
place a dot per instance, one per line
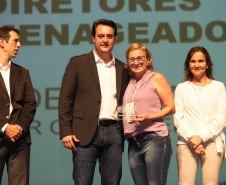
(4, 32)
(104, 22)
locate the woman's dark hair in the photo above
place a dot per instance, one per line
(187, 72)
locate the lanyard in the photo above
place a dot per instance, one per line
(134, 92)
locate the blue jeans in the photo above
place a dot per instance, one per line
(106, 146)
(149, 158)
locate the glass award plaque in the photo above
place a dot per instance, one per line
(126, 112)
(120, 112)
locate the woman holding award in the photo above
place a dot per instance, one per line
(150, 148)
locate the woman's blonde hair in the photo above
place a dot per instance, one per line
(137, 46)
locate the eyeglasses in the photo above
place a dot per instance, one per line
(139, 59)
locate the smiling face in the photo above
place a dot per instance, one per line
(137, 62)
(198, 65)
(11, 47)
(104, 40)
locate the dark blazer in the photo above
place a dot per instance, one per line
(80, 97)
(22, 98)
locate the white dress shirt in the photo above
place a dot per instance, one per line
(200, 111)
(5, 72)
(107, 78)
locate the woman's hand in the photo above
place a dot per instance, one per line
(194, 141)
(140, 118)
(200, 151)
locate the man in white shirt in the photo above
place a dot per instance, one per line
(18, 106)
(92, 87)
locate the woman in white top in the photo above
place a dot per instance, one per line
(199, 120)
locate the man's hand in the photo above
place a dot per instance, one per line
(194, 141)
(13, 132)
(68, 142)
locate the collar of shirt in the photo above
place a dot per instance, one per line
(99, 60)
(5, 68)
